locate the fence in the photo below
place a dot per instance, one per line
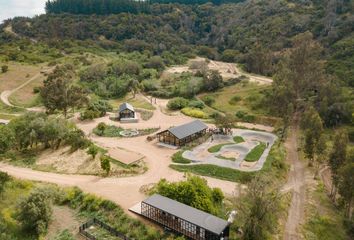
(95, 221)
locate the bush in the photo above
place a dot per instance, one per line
(245, 116)
(4, 177)
(196, 104)
(177, 103)
(4, 68)
(36, 90)
(194, 112)
(35, 211)
(209, 100)
(235, 99)
(155, 62)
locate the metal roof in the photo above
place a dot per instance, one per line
(124, 106)
(188, 129)
(185, 212)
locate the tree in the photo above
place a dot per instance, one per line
(4, 68)
(35, 211)
(226, 123)
(194, 192)
(4, 177)
(7, 138)
(313, 126)
(59, 91)
(258, 209)
(105, 164)
(346, 186)
(300, 75)
(93, 150)
(320, 154)
(337, 158)
(134, 87)
(212, 81)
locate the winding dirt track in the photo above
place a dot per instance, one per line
(296, 182)
(126, 190)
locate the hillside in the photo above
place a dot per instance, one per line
(252, 33)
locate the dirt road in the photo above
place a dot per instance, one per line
(296, 182)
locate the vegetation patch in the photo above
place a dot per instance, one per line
(178, 158)
(222, 173)
(194, 112)
(216, 148)
(238, 139)
(256, 152)
(105, 130)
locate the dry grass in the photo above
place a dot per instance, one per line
(17, 74)
(137, 102)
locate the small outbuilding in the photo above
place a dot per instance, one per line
(183, 219)
(183, 134)
(126, 113)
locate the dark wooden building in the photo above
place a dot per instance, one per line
(183, 134)
(183, 219)
(126, 111)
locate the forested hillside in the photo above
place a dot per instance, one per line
(253, 32)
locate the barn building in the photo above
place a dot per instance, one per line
(183, 134)
(126, 113)
(183, 219)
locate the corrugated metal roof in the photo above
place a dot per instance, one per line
(185, 212)
(124, 106)
(188, 129)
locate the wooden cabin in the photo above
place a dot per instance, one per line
(183, 134)
(185, 220)
(126, 112)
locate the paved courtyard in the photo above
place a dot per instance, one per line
(238, 151)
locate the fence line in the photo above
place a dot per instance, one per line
(95, 221)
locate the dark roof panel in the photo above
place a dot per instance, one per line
(185, 212)
(188, 129)
(124, 106)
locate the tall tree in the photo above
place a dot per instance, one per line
(59, 91)
(346, 187)
(337, 158)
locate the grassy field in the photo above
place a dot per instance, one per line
(256, 153)
(324, 221)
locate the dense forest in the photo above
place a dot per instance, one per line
(103, 7)
(253, 33)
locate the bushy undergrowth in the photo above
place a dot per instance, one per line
(194, 112)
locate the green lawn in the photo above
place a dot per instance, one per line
(137, 102)
(256, 152)
(239, 139)
(178, 158)
(216, 172)
(216, 148)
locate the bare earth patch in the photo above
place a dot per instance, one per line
(229, 154)
(63, 218)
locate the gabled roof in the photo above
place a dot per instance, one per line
(185, 212)
(188, 129)
(125, 106)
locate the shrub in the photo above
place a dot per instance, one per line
(193, 112)
(35, 211)
(155, 62)
(76, 139)
(105, 164)
(196, 104)
(209, 100)
(36, 90)
(177, 103)
(4, 177)
(245, 116)
(235, 99)
(4, 68)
